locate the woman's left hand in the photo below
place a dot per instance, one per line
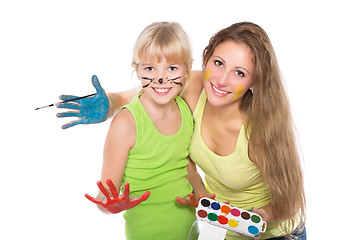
(262, 212)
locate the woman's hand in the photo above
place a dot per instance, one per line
(89, 110)
(191, 200)
(117, 203)
(263, 213)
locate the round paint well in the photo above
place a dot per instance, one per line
(202, 213)
(235, 212)
(233, 223)
(205, 202)
(255, 218)
(225, 209)
(222, 219)
(253, 230)
(212, 216)
(245, 215)
(215, 206)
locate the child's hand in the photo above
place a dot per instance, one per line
(89, 110)
(117, 203)
(191, 200)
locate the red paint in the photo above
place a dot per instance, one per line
(222, 219)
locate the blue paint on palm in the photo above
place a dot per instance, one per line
(89, 110)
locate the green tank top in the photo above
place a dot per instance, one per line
(158, 163)
(233, 178)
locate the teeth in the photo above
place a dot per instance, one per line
(218, 90)
(162, 90)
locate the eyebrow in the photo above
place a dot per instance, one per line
(235, 66)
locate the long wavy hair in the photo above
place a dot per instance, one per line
(269, 123)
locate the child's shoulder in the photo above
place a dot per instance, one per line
(124, 121)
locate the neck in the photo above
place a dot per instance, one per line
(154, 107)
(226, 112)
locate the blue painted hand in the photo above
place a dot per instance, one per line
(90, 110)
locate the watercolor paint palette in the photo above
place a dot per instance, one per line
(231, 218)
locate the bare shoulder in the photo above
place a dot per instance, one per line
(123, 128)
(193, 89)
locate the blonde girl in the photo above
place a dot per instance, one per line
(147, 143)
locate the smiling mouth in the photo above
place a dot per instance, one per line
(162, 90)
(218, 91)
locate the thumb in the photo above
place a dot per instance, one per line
(96, 83)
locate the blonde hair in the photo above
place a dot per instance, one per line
(164, 39)
(269, 122)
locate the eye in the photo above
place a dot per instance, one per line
(240, 73)
(149, 68)
(218, 63)
(172, 68)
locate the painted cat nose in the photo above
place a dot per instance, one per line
(160, 80)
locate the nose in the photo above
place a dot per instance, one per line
(161, 80)
(222, 80)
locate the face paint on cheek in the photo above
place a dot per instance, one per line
(207, 74)
(239, 91)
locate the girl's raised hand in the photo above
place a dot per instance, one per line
(191, 200)
(117, 203)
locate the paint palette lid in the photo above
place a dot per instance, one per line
(231, 218)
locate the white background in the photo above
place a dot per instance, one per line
(48, 48)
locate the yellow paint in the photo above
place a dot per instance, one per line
(239, 91)
(207, 74)
(233, 223)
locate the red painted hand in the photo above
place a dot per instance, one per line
(191, 200)
(117, 203)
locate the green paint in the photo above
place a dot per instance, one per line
(255, 219)
(212, 217)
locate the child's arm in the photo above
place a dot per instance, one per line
(120, 139)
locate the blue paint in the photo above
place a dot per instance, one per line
(90, 110)
(253, 230)
(215, 206)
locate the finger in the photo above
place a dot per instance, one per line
(71, 124)
(213, 196)
(93, 199)
(96, 83)
(68, 114)
(145, 196)
(142, 198)
(126, 191)
(192, 198)
(73, 106)
(181, 200)
(67, 97)
(103, 190)
(112, 188)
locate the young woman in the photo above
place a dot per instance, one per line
(147, 143)
(243, 136)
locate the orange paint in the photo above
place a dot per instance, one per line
(207, 74)
(225, 209)
(239, 91)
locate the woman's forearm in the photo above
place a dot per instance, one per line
(117, 100)
(196, 181)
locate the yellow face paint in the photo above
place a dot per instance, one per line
(239, 91)
(207, 74)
